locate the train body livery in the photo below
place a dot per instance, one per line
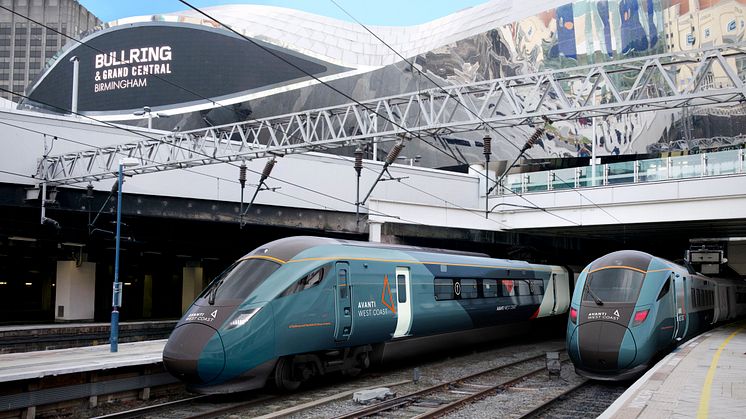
(629, 308)
(306, 306)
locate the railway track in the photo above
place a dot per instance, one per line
(585, 399)
(443, 398)
(331, 397)
(190, 407)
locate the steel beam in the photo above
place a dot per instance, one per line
(666, 81)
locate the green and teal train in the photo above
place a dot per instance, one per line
(629, 308)
(301, 307)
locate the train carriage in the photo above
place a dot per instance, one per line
(306, 306)
(629, 308)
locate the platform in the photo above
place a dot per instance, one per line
(30, 365)
(705, 377)
(40, 337)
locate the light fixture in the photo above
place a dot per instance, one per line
(28, 284)
(3, 283)
(22, 239)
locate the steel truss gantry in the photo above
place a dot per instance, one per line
(709, 76)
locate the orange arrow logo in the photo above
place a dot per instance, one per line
(387, 288)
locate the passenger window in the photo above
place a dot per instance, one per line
(309, 281)
(401, 288)
(508, 288)
(489, 288)
(443, 289)
(469, 288)
(522, 288)
(538, 287)
(664, 290)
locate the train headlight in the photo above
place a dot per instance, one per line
(240, 318)
(573, 315)
(640, 317)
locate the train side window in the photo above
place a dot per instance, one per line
(489, 288)
(401, 288)
(538, 286)
(469, 288)
(309, 281)
(508, 288)
(522, 288)
(444, 289)
(664, 290)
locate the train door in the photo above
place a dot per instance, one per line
(679, 294)
(343, 303)
(403, 302)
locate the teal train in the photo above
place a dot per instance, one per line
(301, 307)
(629, 308)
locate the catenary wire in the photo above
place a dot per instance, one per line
(204, 174)
(269, 51)
(266, 50)
(458, 101)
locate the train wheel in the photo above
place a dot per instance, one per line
(283, 376)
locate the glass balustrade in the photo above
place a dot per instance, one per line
(679, 167)
(623, 172)
(563, 178)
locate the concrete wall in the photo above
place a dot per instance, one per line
(76, 290)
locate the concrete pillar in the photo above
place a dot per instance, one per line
(374, 232)
(737, 256)
(191, 286)
(75, 290)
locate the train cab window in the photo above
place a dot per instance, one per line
(444, 289)
(401, 288)
(309, 281)
(489, 288)
(469, 288)
(664, 290)
(239, 281)
(613, 285)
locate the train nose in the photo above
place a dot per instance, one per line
(194, 353)
(606, 346)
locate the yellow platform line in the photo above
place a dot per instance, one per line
(704, 400)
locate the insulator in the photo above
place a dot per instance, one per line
(358, 160)
(242, 175)
(267, 169)
(534, 138)
(487, 146)
(394, 153)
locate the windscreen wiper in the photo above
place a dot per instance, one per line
(595, 297)
(213, 292)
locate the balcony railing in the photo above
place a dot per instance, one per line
(640, 171)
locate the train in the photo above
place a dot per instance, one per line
(301, 307)
(629, 308)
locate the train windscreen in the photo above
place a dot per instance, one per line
(613, 285)
(238, 281)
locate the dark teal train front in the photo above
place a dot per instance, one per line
(306, 306)
(629, 308)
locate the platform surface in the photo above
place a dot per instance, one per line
(703, 378)
(26, 365)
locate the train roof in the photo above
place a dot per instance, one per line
(287, 248)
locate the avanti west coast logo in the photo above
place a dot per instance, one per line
(603, 315)
(371, 308)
